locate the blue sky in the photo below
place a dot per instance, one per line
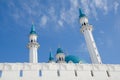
(57, 23)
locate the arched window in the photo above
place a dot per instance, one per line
(31, 40)
(84, 24)
(59, 58)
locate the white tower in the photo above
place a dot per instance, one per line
(33, 45)
(86, 29)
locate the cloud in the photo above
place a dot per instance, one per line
(85, 6)
(101, 4)
(58, 13)
(52, 15)
(44, 20)
(116, 5)
(60, 23)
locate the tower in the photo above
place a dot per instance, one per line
(51, 58)
(33, 46)
(60, 56)
(86, 29)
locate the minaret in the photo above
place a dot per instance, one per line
(51, 58)
(86, 29)
(33, 46)
(60, 56)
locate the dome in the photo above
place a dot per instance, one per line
(59, 50)
(72, 58)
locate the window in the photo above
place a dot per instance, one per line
(75, 73)
(84, 24)
(31, 40)
(58, 72)
(108, 74)
(0, 73)
(40, 73)
(21, 73)
(60, 59)
(92, 73)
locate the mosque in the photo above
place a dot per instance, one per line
(86, 29)
(64, 67)
(60, 56)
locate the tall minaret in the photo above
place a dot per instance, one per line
(33, 45)
(86, 29)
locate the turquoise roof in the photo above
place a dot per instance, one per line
(51, 57)
(59, 50)
(33, 29)
(81, 14)
(72, 58)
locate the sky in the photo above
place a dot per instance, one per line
(57, 24)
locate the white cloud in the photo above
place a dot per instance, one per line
(85, 5)
(101, 4)
(44, 20)
(74, 3)
(116, 5)
(60, 23)
(51, 14)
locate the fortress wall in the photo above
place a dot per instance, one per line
(58, 71)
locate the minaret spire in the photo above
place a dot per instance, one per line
(33, 29)
(33, 46)
(86, 29)
(51, 58)
(81, 14)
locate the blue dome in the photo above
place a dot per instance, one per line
(59, 50)
(72, 58)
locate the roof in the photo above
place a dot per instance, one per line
(81, 14)
(72, 58)
(33, 29)
(59, 50)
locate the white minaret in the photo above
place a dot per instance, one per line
(33, 45)
(86, 29)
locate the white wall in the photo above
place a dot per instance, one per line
(49, 71)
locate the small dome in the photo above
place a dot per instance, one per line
(59, 50)
(72, 58)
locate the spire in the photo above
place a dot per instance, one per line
(33, 29)
(51, 57)
(81, 14)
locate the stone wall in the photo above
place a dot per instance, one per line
(58, 71)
